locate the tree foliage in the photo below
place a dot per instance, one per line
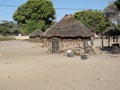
(110, 12)
(117, 3)
(9, 28)
(35, 13)
(93, 19)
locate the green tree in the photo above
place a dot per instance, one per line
(117, 3)
(93, 19)
(110, 12)
(9, 28)
(39, 12)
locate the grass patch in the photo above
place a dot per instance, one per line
(4, 38)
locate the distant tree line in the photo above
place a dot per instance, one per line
(9, 28)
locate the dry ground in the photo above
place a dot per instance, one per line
(27, 66)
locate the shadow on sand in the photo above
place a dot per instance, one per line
(109, 49)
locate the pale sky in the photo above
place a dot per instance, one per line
(6, 12)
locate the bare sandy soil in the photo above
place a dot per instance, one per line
(27, 66)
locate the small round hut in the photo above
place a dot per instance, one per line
(68, 33)
(36, 36)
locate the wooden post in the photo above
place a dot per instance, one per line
(116, 38)
(108, 41)
(102, 42)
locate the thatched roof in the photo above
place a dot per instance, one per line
(36, 33)
(68, 27)
(111, 31)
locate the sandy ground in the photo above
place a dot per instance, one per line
(21, 37)
(27, 66)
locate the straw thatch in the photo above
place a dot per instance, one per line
(68, 27)
(67, 34)
(36, 36)
(36, 33)
(111, 32)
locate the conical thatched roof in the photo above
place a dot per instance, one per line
(36, 33)
(68, 27)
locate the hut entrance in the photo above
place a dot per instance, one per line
(55, 45)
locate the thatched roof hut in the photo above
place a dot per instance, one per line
(36, 33)
(68, 33)
(68, 27)
(36, 36)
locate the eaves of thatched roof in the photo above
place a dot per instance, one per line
(111, 32)
(68, 27)
(36, 33)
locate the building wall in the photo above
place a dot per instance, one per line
(66, 44)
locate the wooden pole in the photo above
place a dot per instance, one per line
(114, 38)
(102, 42)
(117, 38)
(108, 41)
